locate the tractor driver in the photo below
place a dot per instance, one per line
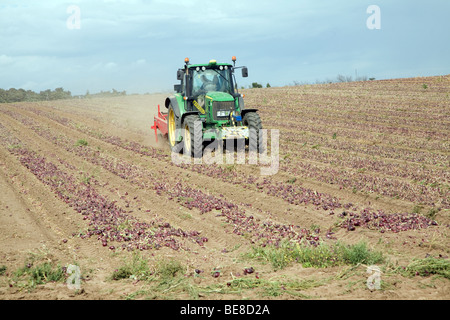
(205, 81)
(210, 85)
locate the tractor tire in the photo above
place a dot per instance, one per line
(193, 136)
(255, 139)
(172, 130)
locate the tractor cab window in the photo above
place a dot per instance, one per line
(207, 80)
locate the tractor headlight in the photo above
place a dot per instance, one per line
(223, 113)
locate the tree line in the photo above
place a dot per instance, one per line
(20, 95)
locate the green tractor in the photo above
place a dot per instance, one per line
(208, 107)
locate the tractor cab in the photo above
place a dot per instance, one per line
(207, 81)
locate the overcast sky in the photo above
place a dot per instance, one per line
(138, 45)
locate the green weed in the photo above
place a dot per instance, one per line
(81, 142)
(136, 268)
(320, 256)
(32, 275)
(428, 266)
(2, 270)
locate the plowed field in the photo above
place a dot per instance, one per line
(84, 183)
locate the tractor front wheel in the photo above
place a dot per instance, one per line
(255, 140)
(193, 136)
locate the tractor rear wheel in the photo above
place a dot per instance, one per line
(193, 136)
(255, 140)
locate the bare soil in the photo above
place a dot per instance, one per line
(35, 221)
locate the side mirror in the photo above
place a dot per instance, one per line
(177, 88)
(180, 75)
(244, 72)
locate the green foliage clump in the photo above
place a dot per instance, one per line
(429, 266)
(32, 275)
(136, 268)
(320, 256)
(81, 142)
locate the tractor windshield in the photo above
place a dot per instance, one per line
(217, 79)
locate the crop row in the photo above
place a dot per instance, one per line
(235, 216)
(378, 220)
(413, 172)
(292, 193)
(364, 138)
(372, 124)
(419, 174)
(362, 182)
(355, 126)
(429, 141)
(265, 232)
(374, 149)
(108, 222)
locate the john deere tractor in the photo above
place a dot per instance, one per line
(208, 107)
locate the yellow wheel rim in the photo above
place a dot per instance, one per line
(187, 139)
(171, 128)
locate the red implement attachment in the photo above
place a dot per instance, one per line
(160, 123)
